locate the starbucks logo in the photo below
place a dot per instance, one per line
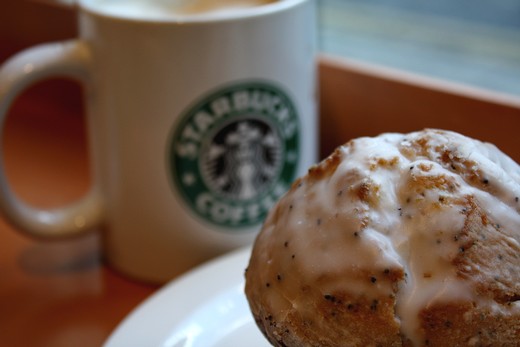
(242, 159)
(234, 153)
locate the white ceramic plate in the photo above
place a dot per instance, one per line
(204, 308)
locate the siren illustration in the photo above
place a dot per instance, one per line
(234, 152)
(243, 159)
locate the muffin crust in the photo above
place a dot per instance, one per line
(397, 240)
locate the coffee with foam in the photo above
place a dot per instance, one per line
(164, 9)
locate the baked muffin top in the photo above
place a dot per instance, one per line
(425, 218)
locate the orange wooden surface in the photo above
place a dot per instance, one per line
(55, 293)
(363, 100)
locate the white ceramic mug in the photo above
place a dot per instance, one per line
(197, 123)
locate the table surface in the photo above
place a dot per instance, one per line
(55, 293)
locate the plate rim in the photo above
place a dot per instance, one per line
(131, 327)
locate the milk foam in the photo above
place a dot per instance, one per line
(168, 9)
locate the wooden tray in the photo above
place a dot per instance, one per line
(359, 99)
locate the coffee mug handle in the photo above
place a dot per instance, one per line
(63, 59)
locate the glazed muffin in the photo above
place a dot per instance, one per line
(396, 240)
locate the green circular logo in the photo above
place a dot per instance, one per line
(235, 153)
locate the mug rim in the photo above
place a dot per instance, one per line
(257, 11)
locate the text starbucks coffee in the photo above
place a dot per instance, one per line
(238, 102)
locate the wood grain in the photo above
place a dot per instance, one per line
(362, 100)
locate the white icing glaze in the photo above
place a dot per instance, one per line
(408, 218)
